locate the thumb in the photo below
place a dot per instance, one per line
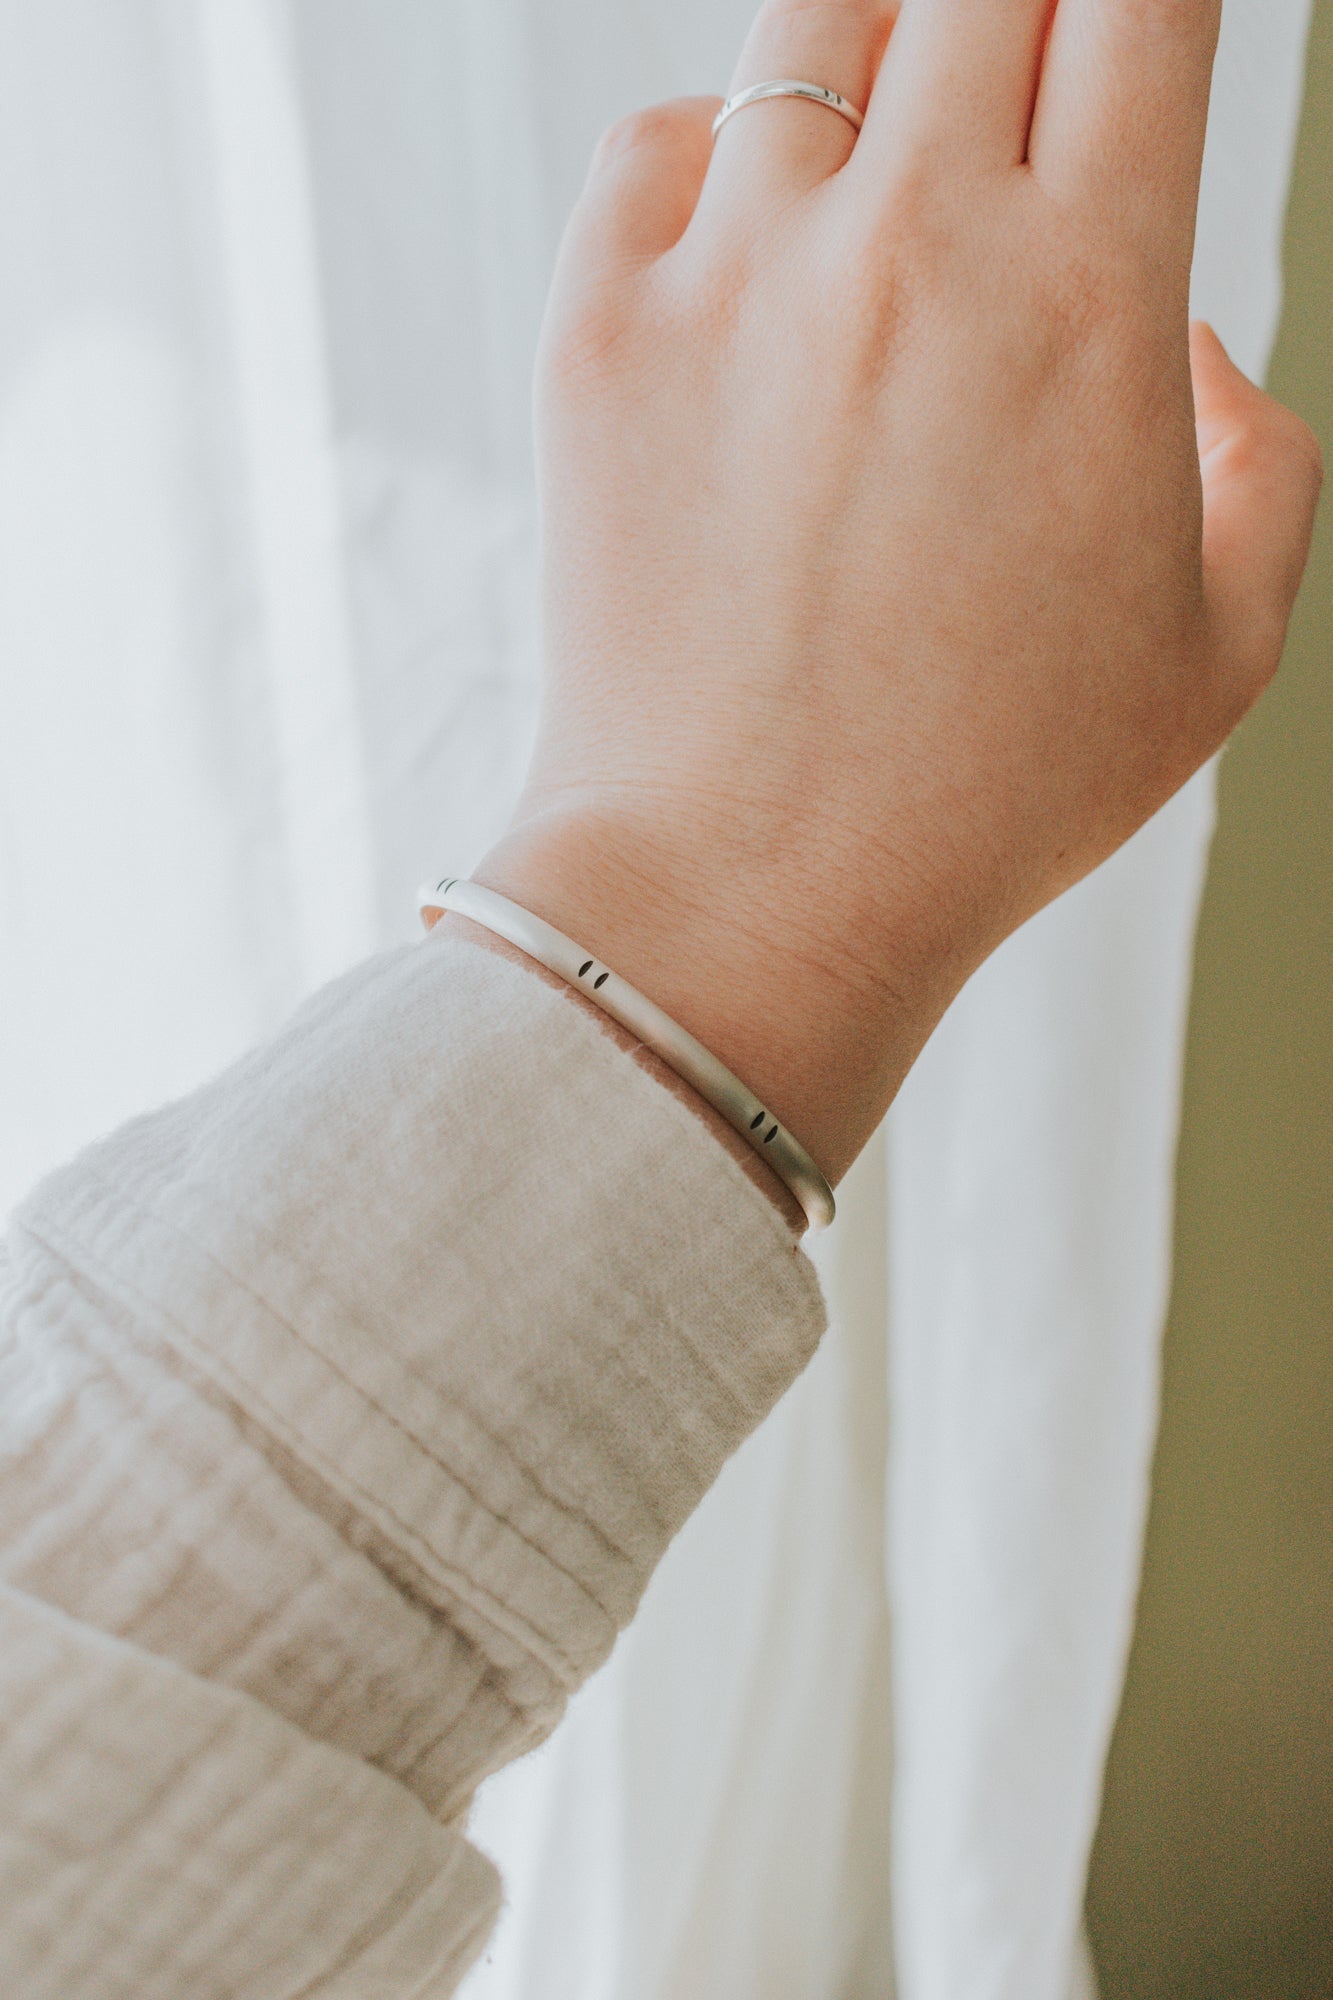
(1262, 471)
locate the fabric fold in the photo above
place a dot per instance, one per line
(163, 1836)
(364, 1389)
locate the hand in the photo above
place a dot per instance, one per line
(893, 573)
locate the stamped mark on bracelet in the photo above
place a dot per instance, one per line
(759, 1116)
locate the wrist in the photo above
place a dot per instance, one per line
(751, 1163)
(749, 958)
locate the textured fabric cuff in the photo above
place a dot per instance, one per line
(492, 1298)
(163, 1836)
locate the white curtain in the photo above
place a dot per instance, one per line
(272, 272)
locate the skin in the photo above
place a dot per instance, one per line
(905, 547)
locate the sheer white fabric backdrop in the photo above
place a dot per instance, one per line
(272, 276)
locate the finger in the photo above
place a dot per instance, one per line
(1262, 473)
(787, 143)
(1121, 112)
(643, 184)
(961, 80)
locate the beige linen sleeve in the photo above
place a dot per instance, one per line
(346, 1407)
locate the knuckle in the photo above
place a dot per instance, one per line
(1250, 658)
(818, 11)
(1257, 668)
(1244, 452)
(1303, 448)
(1165, 17)
(1269, 442)
(649, 126)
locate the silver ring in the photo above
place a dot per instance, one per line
(786, 86)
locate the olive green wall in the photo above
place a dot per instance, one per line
(1213, 1872)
